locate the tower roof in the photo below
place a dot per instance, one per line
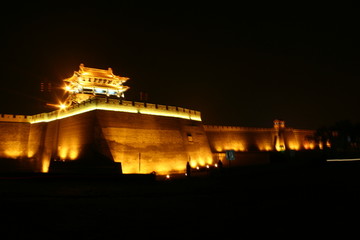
(93, 81)
(88, 72)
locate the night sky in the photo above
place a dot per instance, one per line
(238, 64)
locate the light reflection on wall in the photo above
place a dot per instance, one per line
(30, 154)
(145, 163)
(63, 152)
(263, 146)
(69, 151)
(73, 154)
(293, 145)
(14, 152)
(45, 164)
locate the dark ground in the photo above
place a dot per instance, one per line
(277, 201)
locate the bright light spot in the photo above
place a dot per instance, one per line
(197, 167)
(73, 154)
(216, 165)
(167, 176)
(207, 166)
(62, 106)
(67, 88)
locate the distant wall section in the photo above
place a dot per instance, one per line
(240, 139)
(222, 138)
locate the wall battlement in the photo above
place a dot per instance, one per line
(120, 106)
(110, 104)
(14, 118)
(236, 128)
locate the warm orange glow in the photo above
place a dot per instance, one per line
(30, 154)
(13, 152)
(263, 145)
(73, 154)
(280, 144)
(193, 163)
(280, 147)
(63, 151)
(45, 164)
(268, 148)
(131, 163)
(294, 145)
(309, 145)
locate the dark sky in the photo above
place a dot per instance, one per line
(237, 64)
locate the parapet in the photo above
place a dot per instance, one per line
(236, 129)
(118, 106)
(14, 118)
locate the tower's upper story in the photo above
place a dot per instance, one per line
(89, 82)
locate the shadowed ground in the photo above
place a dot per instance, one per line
(282, 201)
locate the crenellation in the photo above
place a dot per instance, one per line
(14, 118)
(172, 108)
(161, 107)
(139, 104)
(127, 103)
(125, 106)
(151, 105)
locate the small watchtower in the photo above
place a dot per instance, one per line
(279, 141)
(279, 124)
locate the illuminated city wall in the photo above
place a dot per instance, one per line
(143, 137)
